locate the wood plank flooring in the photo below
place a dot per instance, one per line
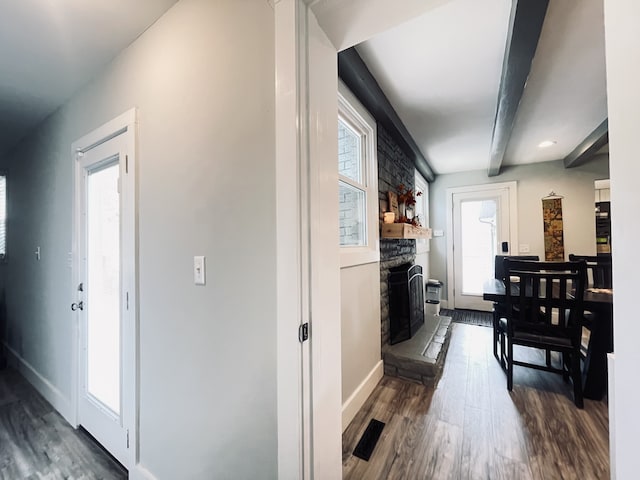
(37, 443)
(471, 427)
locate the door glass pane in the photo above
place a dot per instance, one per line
(349, 152)
(479, 243)
(353, 230)
(103, 289)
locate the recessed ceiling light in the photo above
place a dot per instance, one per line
(546, 143)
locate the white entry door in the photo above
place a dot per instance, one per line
(481, 229)
(104, 299)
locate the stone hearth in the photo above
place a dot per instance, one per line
(421, 358)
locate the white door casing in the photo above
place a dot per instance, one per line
(307, 253)
(108, 151)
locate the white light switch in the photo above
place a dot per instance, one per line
(438, 233)
(199, 270)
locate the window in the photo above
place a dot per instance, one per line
(422, 210)
(3, 216)
(357, 181)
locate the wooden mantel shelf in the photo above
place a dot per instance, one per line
(404, 230)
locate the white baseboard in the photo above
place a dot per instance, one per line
(360, 395)
(611, 360)
(41, 384)
(140, 473)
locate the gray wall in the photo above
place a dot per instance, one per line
(534, 182)
(202, 78)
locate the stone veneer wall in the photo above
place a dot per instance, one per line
(394, 168)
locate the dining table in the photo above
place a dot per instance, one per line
(599, 302)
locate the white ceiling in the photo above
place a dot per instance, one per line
(50, 48)
(441, 72)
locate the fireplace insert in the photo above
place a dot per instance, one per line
(406, 302)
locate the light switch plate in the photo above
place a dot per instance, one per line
(199, 270)
(438, 233)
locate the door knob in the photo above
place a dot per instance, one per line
(77, 306)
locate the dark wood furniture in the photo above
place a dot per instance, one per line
(545, 311)
(499, 308)
(598, 270)
(600, 342)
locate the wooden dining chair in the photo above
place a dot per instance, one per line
(599, 275)
(499, 309)
(544, 311)
(598, 270)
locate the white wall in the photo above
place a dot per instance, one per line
(534, 182)
(202, 79)
(361, 349)
(623, 78)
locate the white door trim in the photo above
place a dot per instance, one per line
(513, 225)
(308, 254)
(124, 125)
(293, 406)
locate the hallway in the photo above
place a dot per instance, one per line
(36, 442)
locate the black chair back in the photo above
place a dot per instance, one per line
(499, 271)
(598, 270)
(551, 300)
(545, 308)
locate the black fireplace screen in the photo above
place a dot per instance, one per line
(406, 302)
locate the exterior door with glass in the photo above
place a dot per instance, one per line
(104, 301)
(481, 230)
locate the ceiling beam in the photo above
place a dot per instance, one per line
(525, 26)
(355, 74)
(589, 146)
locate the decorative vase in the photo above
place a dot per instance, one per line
(410, 212)
(402, 209)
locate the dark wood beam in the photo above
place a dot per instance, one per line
(355, 74)
(589, 146)
(525, 26)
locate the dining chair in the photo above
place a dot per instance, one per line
(598, 270)
(499, 309)
(599, 275)
(544, 311)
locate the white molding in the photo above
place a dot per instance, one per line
(54, 396)
(293, 408)
(354, 403)
(106, 131)
(513, 224)
(611, 368)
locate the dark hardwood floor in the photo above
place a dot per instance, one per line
(37, 443)
(471, 427)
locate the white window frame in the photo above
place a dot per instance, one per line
(356, 115)
(421, 185)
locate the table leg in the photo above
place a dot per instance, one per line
(595, 364)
